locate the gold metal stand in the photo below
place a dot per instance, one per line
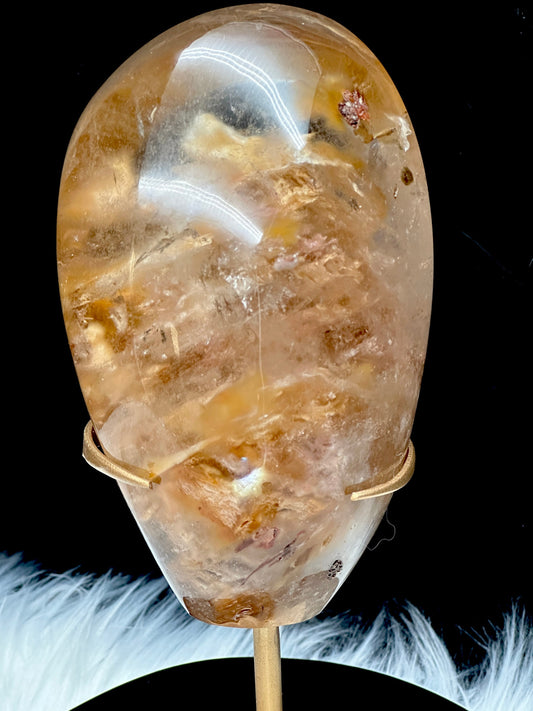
(100, 460)
(267, 658)
(93, 453)
(390, 481)
(267, 666)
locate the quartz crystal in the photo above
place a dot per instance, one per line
(245, 266)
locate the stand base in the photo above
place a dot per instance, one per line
(229, 684)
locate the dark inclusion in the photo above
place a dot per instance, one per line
(407, 176)
(322, 132)
(335, 568)
(234, 108)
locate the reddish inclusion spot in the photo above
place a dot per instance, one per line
(353, 107)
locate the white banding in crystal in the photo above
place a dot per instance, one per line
(196, 202)
(255, 74)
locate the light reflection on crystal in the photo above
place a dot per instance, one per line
(195, 202)
(216, 50)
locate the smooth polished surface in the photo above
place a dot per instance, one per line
(245, 263)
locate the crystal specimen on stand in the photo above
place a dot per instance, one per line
(245, 264)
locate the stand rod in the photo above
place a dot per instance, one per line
(267, 665)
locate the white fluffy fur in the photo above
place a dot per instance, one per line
(67, 638)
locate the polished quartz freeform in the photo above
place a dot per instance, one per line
(245, 264)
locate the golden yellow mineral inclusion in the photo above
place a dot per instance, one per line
(245, 265)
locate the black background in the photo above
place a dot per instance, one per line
(457, 540)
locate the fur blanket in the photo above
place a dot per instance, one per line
(65, 639)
